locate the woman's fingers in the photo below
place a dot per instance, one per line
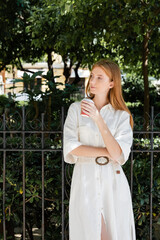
(86, 112)
(87, 106)
(90, 109)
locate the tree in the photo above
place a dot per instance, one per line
(15, 42)
(141, 37)
(129, 32)
(132, 28)
(44, 28)
(62, 33)
(82, 32)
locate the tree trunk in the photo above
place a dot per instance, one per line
(49, 112)
(20, 67)
(145, 78)
(77, 78)
(50, 62)
(9, 229)
(29, 230)
(35, 104)
(67, 70)
(4, 80)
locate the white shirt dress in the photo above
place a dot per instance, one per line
(97, 189)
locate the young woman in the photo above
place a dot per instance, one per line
(100, 205)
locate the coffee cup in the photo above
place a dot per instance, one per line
(87, 100)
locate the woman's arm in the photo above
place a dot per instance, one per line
(89, 151)
(72, 147)
(112, 147)
(111, 144)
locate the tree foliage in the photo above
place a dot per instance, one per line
(127, 31)
(15, 42)
(83, 32)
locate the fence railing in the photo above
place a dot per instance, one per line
(150, 147)
(16, 126)
(8, 129)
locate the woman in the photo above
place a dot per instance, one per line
(100, 205)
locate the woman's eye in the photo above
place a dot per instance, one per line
(99, 78)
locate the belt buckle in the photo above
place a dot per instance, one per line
(102, 163)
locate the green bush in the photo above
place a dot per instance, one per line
(141, 188)
(49, 103)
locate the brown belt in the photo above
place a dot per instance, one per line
(102, 160)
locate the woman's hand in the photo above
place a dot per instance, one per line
(91, 110)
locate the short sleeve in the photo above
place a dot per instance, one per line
(124, 137)
(70, 134)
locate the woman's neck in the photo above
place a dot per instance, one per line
(100, 102)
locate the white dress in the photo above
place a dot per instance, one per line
(98, 189)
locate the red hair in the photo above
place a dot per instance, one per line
(115, 94)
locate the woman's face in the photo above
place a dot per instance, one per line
(100, 83)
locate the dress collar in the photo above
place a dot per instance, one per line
(107, 106)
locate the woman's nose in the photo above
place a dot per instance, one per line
(92, 80)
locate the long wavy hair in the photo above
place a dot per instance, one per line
(115, 94)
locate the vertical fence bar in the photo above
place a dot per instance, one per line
(131, 184)
(151, 179)
(131, 170)
(4, 176)
(62, 123)
(42, 122)
(23, 152)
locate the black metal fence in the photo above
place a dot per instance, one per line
(151, 147)
(9, 128)
(16, 125)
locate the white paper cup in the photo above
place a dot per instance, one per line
(87, 100)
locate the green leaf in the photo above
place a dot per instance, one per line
(31, 200)
(39, 73)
